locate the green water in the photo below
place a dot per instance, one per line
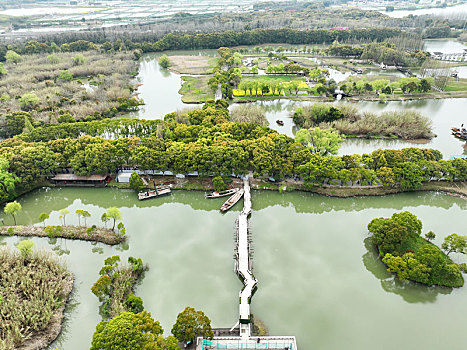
(317, 279)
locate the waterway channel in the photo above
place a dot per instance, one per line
(159, 89)
(317, 279)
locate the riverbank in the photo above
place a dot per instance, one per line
(98, 234)
(458, 189)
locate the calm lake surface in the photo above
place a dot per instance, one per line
(318, 279)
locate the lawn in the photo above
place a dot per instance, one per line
(195, 89)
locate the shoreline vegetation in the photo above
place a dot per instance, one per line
(411, 257)
(35, 322)
(205, 141)
(96, 234)
(457, 189)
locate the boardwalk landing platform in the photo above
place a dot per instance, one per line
(238, 343)
(243, 269)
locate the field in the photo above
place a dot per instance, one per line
(192, 64)
(195, 89)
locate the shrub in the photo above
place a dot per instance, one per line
(218, 184)
(134, 303)
(29, 101)
(43, 285)
(164, 61)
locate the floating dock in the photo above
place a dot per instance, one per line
(158, 192)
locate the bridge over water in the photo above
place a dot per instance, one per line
(243, 267)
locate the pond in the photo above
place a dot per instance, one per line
(310, 258)
(158, 87)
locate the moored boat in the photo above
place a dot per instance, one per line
(222, 193)
(232, 200)
(157, 192)
(459, 133)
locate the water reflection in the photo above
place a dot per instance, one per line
(411, 292)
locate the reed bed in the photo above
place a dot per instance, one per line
(407, 125)
(249, 114)
(347, 119)
(34, 289)
(108, 77)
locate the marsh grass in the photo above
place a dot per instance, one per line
(249, 114)
(406, 124)
(108, 74)
(34, 289)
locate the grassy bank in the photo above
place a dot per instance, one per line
(458, 189)
(97, 234)
(34, 290)
(195, 89)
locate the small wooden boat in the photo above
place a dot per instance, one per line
(280, 122)
(232, 200)
(222, 193)
(459, 133)
(157, 192)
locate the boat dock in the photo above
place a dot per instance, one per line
(157, 192)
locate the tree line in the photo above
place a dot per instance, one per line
(213, 40)
(206, 141)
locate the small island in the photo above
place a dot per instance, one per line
(412, 257)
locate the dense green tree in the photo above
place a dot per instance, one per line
(63, 213)
(218, 184)
(43, 217)
(25, 247)
(3, 70)
(430, 235)
(7, 181)
(135, 182)
(322, 141)
(115, 214)
(29, 101)
(13, 57)
(407, 267)
(388, 235)
(191, 324)
(164, 61)
(127, 331)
